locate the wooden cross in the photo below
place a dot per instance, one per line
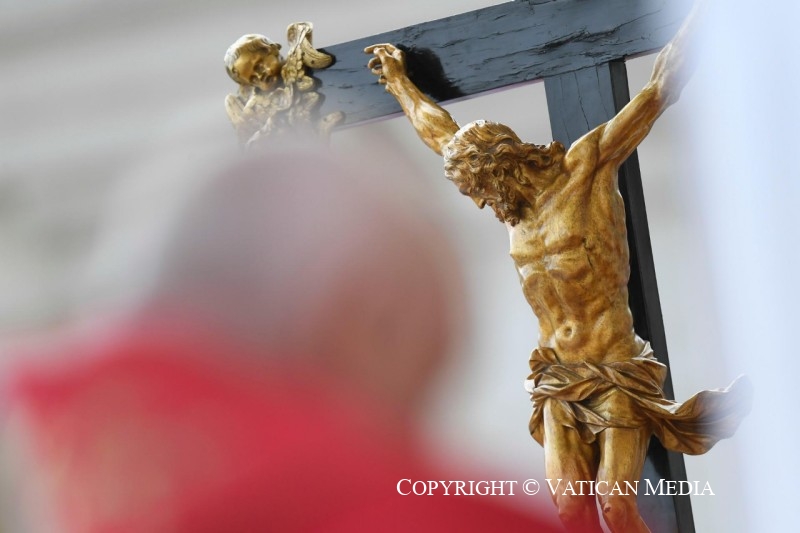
(578, 47)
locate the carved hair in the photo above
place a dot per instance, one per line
(488, 150)
(485, 155)
(252, 42)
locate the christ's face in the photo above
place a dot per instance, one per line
(466, 190)
(503, 197)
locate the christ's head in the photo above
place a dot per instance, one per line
(489, 163)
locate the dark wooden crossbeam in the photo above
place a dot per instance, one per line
(507, 44)
(578, 48)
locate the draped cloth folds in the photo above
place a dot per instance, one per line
(591, 397)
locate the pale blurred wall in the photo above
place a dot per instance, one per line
(748, 209)
(91, 88)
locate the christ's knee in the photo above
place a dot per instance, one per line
(577, 512)
(620, 512)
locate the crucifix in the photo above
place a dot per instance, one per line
(599, 315)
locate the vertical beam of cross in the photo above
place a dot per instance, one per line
(579, 101)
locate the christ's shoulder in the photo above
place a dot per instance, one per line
(584, 152)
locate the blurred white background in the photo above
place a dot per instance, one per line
(92, 89)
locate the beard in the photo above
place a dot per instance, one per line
(507, 213)
(507, 208)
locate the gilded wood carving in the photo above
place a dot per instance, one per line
(595, 384)
(276, 95)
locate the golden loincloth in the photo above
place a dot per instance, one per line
(585, 396)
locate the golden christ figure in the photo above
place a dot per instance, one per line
(595, 384)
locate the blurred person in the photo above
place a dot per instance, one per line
(270, 379)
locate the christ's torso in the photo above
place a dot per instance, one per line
(571, 253)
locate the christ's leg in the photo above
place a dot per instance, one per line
(623, 453)
(569, 459)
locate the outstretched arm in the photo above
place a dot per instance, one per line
(620, 136)
(434, 125)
